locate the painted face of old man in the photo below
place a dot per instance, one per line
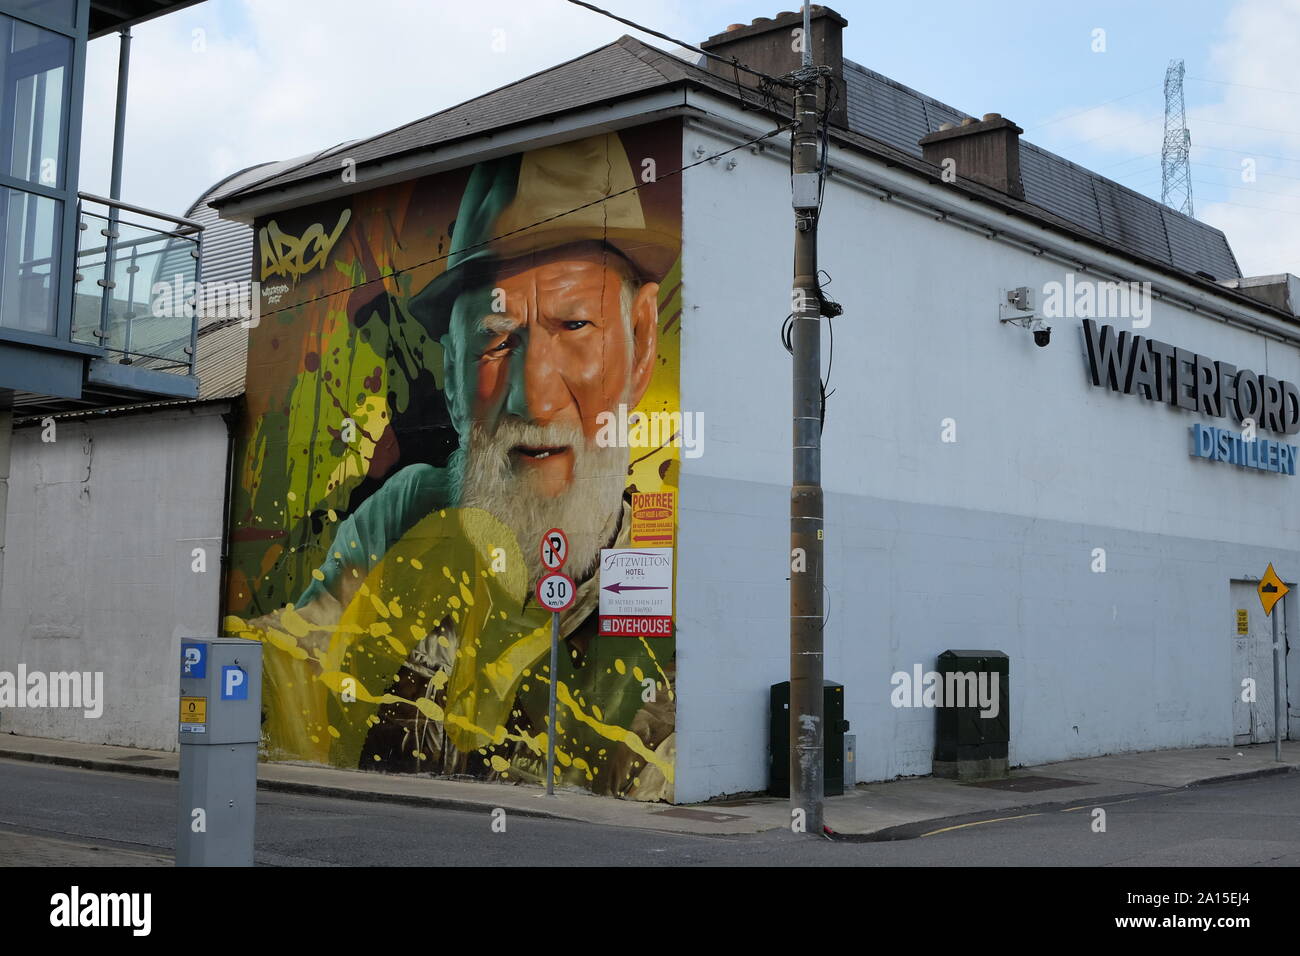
(533, 361)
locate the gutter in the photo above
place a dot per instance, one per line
(118, 411)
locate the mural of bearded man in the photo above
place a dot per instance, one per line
(548, 317)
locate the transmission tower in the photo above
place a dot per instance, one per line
(1176, 155)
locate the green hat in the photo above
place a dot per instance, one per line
(531, 202)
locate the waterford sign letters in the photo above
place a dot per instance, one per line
(1159, 372)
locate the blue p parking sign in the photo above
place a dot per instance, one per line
(234, 683)
(194, 661)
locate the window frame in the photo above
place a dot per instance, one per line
(70, 122)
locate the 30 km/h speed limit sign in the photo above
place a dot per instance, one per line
(555, 549)
(556, 591)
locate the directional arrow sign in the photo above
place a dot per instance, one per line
(1271, 590)
(618, 587)
(636, 592)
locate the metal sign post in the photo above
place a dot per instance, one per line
(556, 591)
(1271, 590)
(1279, 695)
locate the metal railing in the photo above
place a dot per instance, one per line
(136, 285)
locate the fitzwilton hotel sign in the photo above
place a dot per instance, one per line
(1159, 372)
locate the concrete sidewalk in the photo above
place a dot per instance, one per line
(892, 810)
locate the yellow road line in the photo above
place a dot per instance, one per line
(962, 826)
(1087, 806)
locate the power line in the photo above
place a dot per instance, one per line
(531, 225)
(1237, 169)
(1265, 129)
(730, 61)
(1250, 188)
(1120, 177)
(1090, 108)
(1245, 86)
(1247, 152)
(1124, 162)
(1122, 129)
(1242, 205)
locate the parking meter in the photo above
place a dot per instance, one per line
(220, 726)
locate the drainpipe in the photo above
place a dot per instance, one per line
(231, 417)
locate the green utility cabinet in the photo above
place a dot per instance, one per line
(834, 728)
(971, 742)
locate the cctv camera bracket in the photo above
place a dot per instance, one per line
(1016, 307)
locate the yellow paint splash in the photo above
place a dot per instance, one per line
(616, 734)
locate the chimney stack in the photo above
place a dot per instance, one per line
(768, 45)
(1281, 291)
(986, 151)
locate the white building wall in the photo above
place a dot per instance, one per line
(983, 543)
(103, 523)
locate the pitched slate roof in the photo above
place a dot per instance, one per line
(879, 109)
(622, 68)
(892, 113)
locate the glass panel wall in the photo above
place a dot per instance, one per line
(29, 248)
(35, 65)
(35, 69)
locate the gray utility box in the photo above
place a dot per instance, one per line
(971, 740)
(220, 727)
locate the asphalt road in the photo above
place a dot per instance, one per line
(56, 816)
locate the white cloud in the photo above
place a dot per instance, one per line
(1258, 49)
(1118, 129)
(280, 78)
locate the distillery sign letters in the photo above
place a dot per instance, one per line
(1159, 372)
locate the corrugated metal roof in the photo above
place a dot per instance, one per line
(223, 360)
(878, 108)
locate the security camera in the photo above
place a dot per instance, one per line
(1042, 337)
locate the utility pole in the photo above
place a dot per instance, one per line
(806, 665)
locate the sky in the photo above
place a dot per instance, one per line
(227, 84)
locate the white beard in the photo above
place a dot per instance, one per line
(587, 511)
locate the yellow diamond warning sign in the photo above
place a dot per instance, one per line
(1271, 590)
